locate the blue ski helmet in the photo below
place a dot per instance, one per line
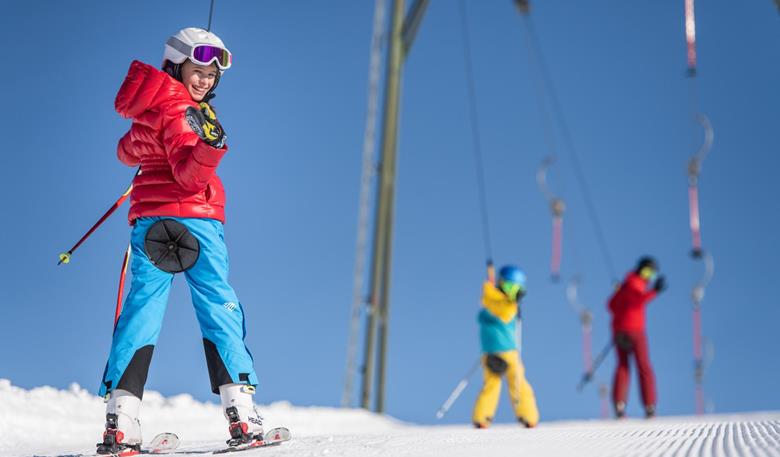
(512, 281)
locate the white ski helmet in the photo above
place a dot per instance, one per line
(200, 46)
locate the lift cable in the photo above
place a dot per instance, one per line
(537, 58)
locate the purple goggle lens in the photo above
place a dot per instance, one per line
(205, 54)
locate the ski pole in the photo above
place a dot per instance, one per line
(588, 375)
(65, 256)
(121, 288)
(458, 390)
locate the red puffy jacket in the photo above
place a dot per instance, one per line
(628, 304)
(178, 170)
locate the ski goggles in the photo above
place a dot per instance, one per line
(648, 274)
(512, 290)
(203, 54)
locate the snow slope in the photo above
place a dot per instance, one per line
(72, 420)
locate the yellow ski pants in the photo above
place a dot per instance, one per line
(520, 392)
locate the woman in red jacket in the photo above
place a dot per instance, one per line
(177, 215)
(627, 307)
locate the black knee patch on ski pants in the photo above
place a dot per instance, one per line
(134, 377)
(171, 246)
(218, 372)
(496, 364)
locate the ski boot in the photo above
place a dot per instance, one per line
(620, 409)
(123, 430)
(526, 423)
(649, 411)
(246, 425)
(484, 423)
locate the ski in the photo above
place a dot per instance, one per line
(273, 437)
(166, 443)
(163, 443)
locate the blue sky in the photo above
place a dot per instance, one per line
(294, 108)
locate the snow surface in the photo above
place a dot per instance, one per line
(47, 422)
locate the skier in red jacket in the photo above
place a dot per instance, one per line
(177, 211)
(627, 307)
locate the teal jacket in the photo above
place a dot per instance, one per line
(497, 321)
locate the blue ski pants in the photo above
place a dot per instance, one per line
(218, 310)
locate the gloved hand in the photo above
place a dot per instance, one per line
(204, 122)
(660, 284)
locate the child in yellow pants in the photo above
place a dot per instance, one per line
(497, 321)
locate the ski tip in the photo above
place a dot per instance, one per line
(272, 437)
(277, 435)
(163, 443)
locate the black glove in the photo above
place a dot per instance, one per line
(204, 122)
(660, 284)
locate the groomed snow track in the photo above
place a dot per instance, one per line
(50, 422)
(754, 434)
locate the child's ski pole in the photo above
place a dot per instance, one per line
(458, 390)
